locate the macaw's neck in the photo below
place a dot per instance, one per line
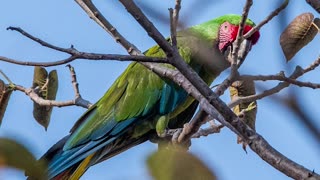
(206, 58)
(212, 62)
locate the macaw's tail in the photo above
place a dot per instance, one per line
(120, 144)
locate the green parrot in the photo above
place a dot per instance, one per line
(141, 104)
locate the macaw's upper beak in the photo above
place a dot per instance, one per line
(244, 49)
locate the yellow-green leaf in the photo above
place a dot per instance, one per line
(5, 93)
(298, 34)
(40, 80)
(249, 109)
(14, 155)
(47, 86)
(173, 164)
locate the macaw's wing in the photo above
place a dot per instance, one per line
(137, 95)
(132, 97)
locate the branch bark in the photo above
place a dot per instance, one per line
(78, 100)
(297, 73)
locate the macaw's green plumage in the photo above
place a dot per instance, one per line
(140, 103)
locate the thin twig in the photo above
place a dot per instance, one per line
(280, 77)
(75, 54)
(84, 56)
(174, 17)
(78, 99)
(267, 19)
(43, 102)
(297, 73)
(207, 131)
(193, 126)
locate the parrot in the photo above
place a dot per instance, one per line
(140, 104)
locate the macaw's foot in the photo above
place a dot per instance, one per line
(177, 139)
(171, 138)
(244, 143)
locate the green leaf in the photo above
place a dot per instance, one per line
(15, 155)
(52, 85)
(298, 34)
(47, 86)
(173, 164)
(5, 93)
(40, 80)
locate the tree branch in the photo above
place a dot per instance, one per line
(297, 73)
(207, 131)
(267, 19)
(280, 77)
(75, 54)
(78, 101)
(174, 16)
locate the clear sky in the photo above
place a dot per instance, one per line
(64, 23)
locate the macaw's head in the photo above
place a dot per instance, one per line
(221, 32)
(228, 30)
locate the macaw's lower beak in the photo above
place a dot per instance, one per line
(244, 49)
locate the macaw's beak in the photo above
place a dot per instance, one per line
(244, 49)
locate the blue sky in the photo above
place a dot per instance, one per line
(64, 23)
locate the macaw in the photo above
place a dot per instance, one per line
(141, 104)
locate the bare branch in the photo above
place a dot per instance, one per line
(297, 73)
(78, 101)
(37, 99)
(280, 77)
(43, 43)
(96, 15)
(267, 19)
(193, 126)
(75, 54)
(174, 16)
(207, 131)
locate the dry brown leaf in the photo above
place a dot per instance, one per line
(298, 34)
